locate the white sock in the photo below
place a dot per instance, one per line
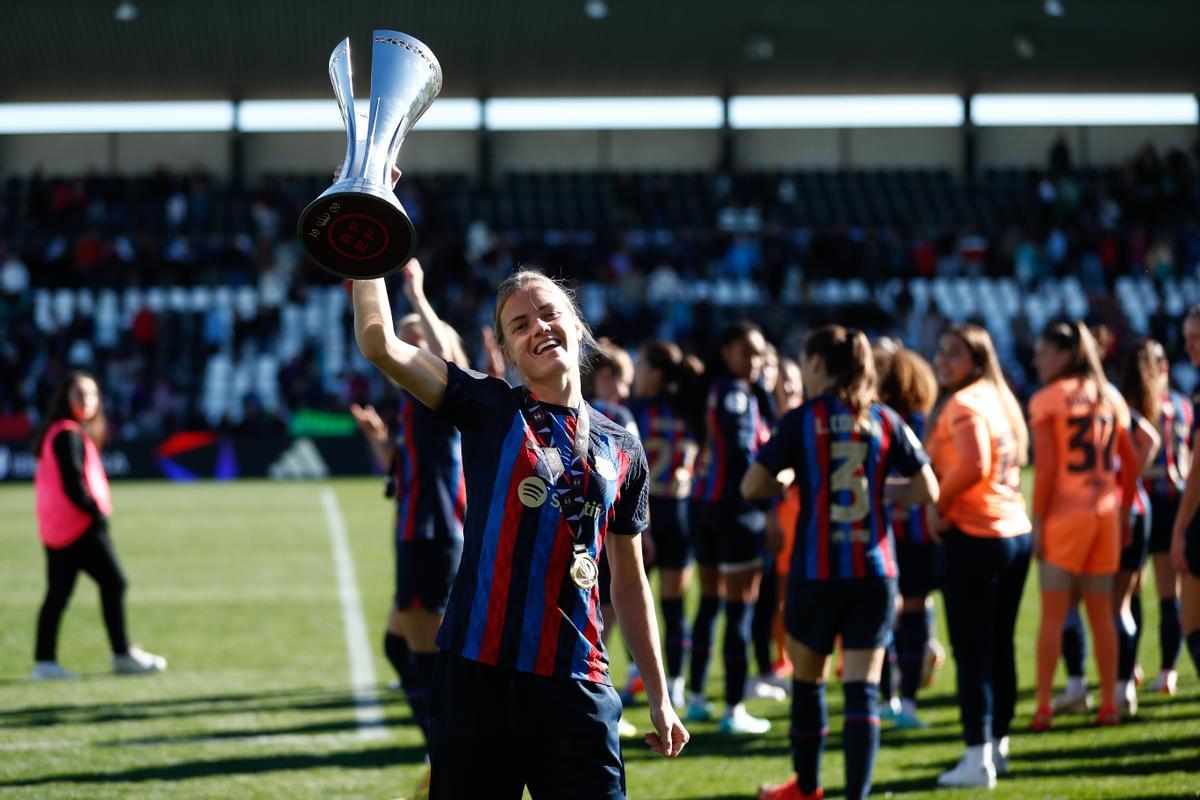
(738, 710)
(979, 755)
(908, 706)
(1076, 685)
(697, 699)
(1002, 747)
(1124, 689)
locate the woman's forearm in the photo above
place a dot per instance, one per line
(419, 372)
(634, 605)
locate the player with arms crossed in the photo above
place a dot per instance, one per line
(521, 694)
(842, 445)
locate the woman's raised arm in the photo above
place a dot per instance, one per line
(420, 373)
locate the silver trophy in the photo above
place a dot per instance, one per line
(357, 228)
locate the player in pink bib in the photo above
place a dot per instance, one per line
(73, 505)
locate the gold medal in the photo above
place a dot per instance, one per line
(584, 570)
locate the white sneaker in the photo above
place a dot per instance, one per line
(760, 688)
(138, 662)
(781, 681)
(52, 671)
(1071, 702)
(739, 720)
(979, 776)
(1166, 682)
(626, 729)
(1000, 756)
(1127, 699)
(676, 692)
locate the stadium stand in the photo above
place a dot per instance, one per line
(193, 300)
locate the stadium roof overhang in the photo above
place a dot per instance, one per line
(66, 50)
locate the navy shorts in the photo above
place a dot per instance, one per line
(497, 731)
(1162, 522)
(921, 567)
(1133, 557)
(425, 570)
(729, 536)
(669, 527)
(860, 610)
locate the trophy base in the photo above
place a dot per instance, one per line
(356, 235)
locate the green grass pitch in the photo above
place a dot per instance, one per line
(235, 584)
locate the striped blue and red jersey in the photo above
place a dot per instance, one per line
(513, 604)
(911, 524)
(736, 423)
(842, 463)
(1167, 475)
(427, 476)
(670, 448)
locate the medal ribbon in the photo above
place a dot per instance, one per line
(570, 482)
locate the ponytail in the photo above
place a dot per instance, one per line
(847, 356)
(1078, 341)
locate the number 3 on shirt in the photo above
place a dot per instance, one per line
(849, 477)
(1084, 442)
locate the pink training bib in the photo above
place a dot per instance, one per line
(61, 522)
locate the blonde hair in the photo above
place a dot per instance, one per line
(983, 355)
(524, 279)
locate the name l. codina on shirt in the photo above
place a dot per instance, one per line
(844, 529)
(513, 604)
(427, 475)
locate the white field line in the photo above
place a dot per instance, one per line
(300, 739)
(363, 681)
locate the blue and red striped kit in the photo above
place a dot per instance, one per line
(841, 463)
(736, 425)
(1167, 475)
(513, 604)
(667, 441)
(427, 476)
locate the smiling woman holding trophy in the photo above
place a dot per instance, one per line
(522, 695)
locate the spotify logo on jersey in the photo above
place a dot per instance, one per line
(532, 492)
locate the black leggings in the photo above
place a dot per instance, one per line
(984, 580)
(91, 553)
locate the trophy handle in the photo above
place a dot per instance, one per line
(341, 77)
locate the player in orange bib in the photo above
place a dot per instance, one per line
(1082, 449)
(978, 440)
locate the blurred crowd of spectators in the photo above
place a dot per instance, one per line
(648, 243)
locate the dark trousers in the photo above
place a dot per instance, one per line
(983, 584)
(496, 731)
(91, 553)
